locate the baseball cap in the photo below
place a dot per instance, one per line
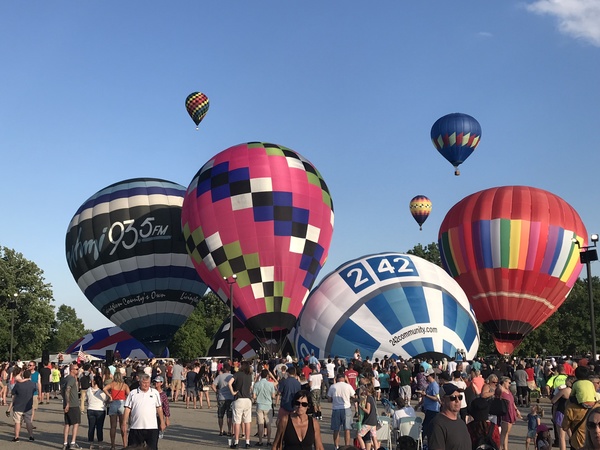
(541, 428)
(450, 388)
(159, 380)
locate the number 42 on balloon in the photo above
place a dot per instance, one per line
(360, 276)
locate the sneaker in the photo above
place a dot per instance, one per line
(74, 445)
(65, 447)
(15, 440)
(31, 438)
(233, 446)
(247, 445)
(259, 444)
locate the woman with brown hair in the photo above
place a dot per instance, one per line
(298, 431)
(503, 392)
(592, 430)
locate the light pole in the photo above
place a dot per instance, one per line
(13, 306)
(231, 282)
(586, 256)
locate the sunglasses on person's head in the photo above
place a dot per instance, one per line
(454, 398)
(592, 425)
(299, 403)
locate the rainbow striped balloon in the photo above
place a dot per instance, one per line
(512, 250)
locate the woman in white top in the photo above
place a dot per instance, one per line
(96, 410)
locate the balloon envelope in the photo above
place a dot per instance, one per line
(387, 304)
(264, 213)
(245, 344)
(420, 208)
(511, 250)
(197, 105)
(456, 136)
(115, 339)
(125, 249)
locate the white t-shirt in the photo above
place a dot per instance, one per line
(315, 380)
(330, 370)
(340, 394)
(143, 409)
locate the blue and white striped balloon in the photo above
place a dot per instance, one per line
(387, 304)
(125, 249)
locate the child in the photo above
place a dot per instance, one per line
(543, 441)
(534, 419)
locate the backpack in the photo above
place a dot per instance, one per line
(486, 442)
(84, 382)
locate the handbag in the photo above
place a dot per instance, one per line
(498, 407)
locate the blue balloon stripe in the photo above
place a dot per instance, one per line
(352, 334)
(418, 307)
(419, 346)
(387, 307)
(459, 320)
(131, 189)
(140, 275)
(448, 348)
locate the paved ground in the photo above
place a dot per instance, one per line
(189, 430)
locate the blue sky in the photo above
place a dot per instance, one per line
(93, 93)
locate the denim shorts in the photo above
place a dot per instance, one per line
(341, 418)
(116, 407)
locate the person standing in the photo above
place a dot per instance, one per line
(240, 386)
(22, 405)
(72, 413)
(55, 379)
(448, 431)
(315, 380)
(368, 409)
(298, 430)
(164, 401)
(512, 414)
(142, 407)
(45, 375)
(224, 398)
(178, 378)
(96, 412)
(287, 388)
(406, 379)
(263, 394)
(36, 379)
(85, 382)
(341, 394)
(117, 392)
(431, 402)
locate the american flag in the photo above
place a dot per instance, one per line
(80, 355)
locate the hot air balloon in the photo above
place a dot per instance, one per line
(114, 339)
(197, 106)
(511, 250)
(420, 208)
(245, 344)
(455, 136)
(387, 304)
(125, 249)
(264, 213)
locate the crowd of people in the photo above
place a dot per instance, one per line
(463, 404)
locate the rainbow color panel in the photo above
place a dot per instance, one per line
(511, 249)
(264, 213)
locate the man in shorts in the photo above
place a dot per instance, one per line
(71, 409)
(224, 398)
(264, 393)
(240, 386)
(341, 395)
(22, 405)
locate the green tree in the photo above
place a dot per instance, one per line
(430, 253)
(195, 336)
(33, 310)
(66, 330)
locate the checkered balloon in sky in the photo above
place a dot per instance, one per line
(197, 105)
(264, 213)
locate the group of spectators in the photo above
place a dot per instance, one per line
(463, 403)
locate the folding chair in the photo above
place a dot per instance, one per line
(411, 426)
(384, 433)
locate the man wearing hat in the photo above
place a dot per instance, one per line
(447, 430)
(164, 399)
(431, 401)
